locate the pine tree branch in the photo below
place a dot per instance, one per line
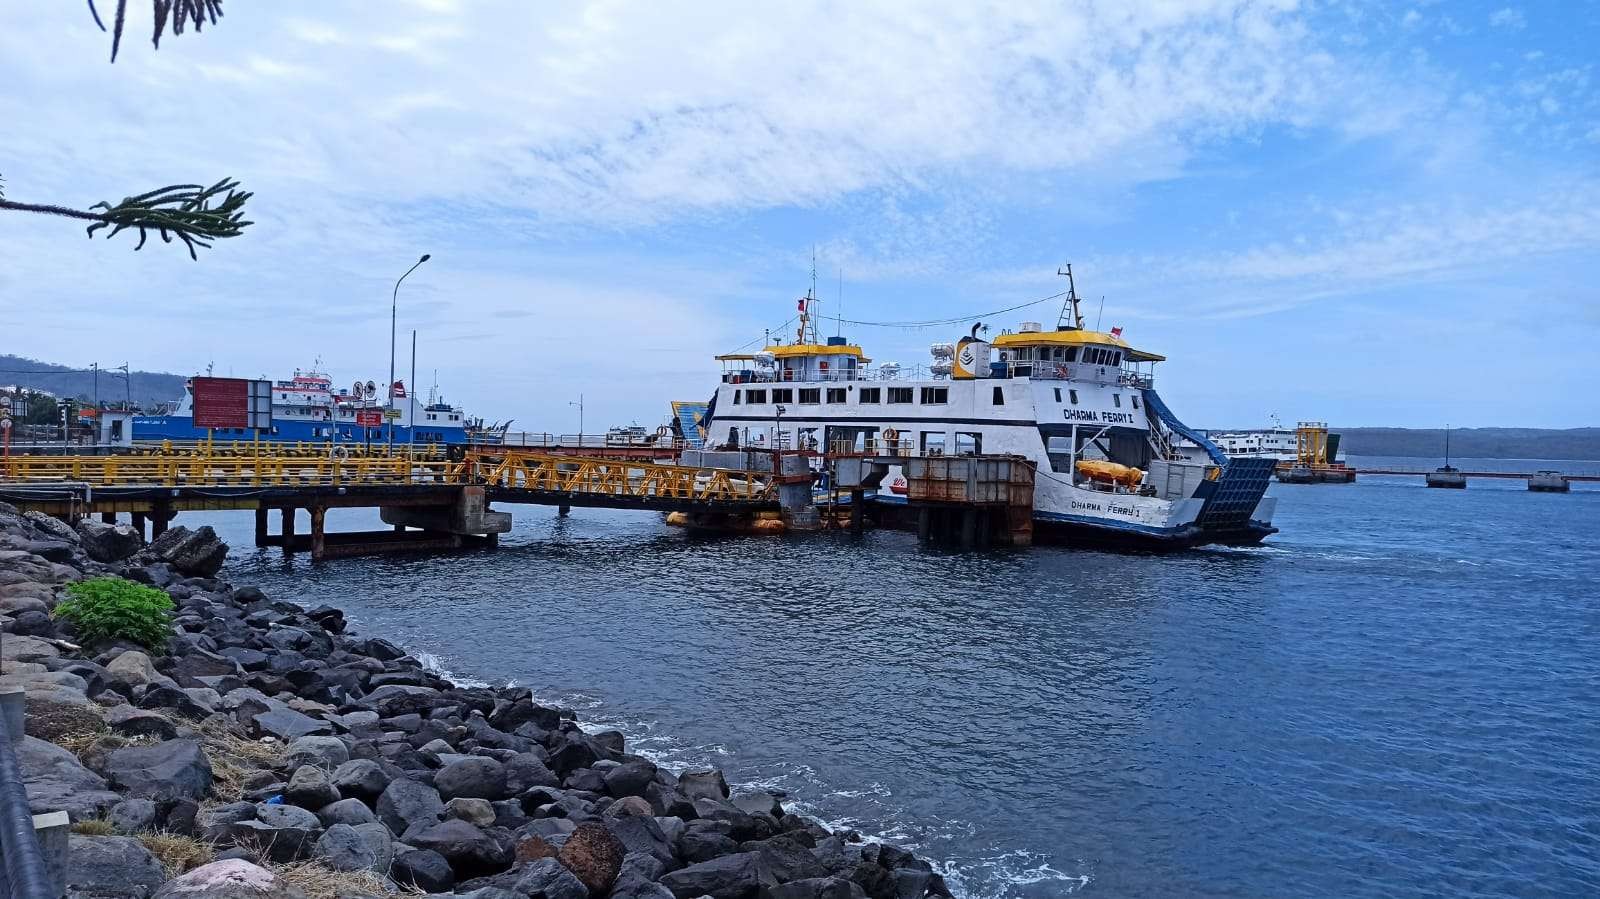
(178, 12)
(193, 214)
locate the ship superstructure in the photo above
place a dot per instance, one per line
(1079, 404)
(307, 407)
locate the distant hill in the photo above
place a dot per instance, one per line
(1473, 443)
(148, 388)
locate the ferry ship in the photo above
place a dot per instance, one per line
(307, 407)
(1277, 442)
(1079, 404)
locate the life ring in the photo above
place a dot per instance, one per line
(890, 435)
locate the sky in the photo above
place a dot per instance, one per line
(1370, 213)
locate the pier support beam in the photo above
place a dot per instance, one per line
(108, 517)
(563, 510)
(288, 529)
(137, 520)
(261, 527)
(159, 519)
(319, 536)
(858, 498)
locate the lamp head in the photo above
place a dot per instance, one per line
(425, 258)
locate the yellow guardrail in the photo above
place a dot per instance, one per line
(228, 470)
(507, 469)
(612, 477)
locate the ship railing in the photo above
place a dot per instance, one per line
(299, 448)
(551, 440)
(1050, 370)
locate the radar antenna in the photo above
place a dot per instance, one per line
(1071, 319)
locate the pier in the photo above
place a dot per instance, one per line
(1544, 481)
(432, 501)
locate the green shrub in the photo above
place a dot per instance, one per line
(113, 608)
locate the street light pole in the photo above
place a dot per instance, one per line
(394, 302)
(579, 404)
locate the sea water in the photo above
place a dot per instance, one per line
(1398, 695)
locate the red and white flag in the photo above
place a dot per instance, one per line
(1116, 332)
(802, 304)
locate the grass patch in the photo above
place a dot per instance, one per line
(177, 854)
(76, 741)
(94, 827)
(234, 758)
(318, 881)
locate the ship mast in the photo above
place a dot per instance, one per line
(1071, 319)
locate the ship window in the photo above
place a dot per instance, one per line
(1073, 395)
(756, 396)
(899, 394)
(1058, 394)
(736, 396)
(935, 395)
(837, 395)
(932, 443)
(969, 443)
(811, 395)
(783, 395)
(1072, 354)
(1116, 400)
(1000, 396)
(1116, 358)
(870, 395)
(1135, 402)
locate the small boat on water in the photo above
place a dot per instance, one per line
(1079, 404)
(1447, 475)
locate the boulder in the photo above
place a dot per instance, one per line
(630, 778)
(823, 888)
(111, 866)
(534, 847)
(701, 844)
(595, 855)
(54, 712)
(108, 542)
(341, 848)
(477, 812)
(282, 832)
(466, 847)
(286, 724)
(363, 778)
(476, 777)
(310, 787)
(33, 623)
(644, 836)
(550, 879)
(422, 868)
(327, 753)
(159, 696)
(20, 648)
(331, 619)
(195, 663)
(132, 668)
(407, 802)
(628, 807)
(197, 553)
(229, 879)
(703, 785)
(379, 841)
(633, 885)
(134, 722)
(176, 769)
(133, 816)
(729, 877)
(346, 811)
(57, 782)
(52, 527)
(526, 770)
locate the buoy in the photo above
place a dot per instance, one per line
(678, 519)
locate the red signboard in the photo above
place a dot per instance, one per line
(221, 403)
(369, 418)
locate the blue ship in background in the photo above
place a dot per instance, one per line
(307, 408)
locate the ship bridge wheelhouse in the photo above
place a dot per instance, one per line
(835, 360)
(1072, 354)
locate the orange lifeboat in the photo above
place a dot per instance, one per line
(1110, 472)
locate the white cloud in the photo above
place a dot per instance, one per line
(1506, 17)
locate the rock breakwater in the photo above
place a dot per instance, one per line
(266, 751)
